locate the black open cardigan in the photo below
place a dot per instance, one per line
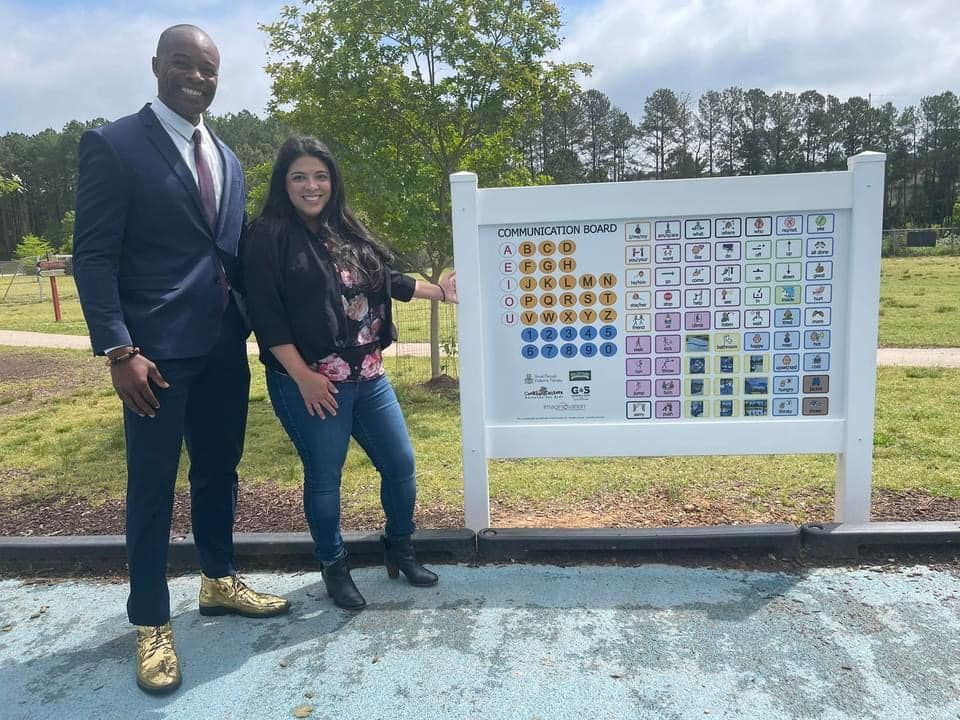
(293, 294)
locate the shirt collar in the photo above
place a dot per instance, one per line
(179, 124)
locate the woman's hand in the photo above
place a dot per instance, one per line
(449, 285)
(318, 393)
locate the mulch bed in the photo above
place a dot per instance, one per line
(265, 508)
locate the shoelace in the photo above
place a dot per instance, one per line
(156, 641)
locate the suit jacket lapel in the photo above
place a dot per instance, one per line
(164, 145)
(226, 194)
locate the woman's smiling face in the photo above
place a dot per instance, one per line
(308, 186)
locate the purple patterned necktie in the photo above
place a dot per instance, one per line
(209, 201)
(205, 182)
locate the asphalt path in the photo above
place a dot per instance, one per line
(507, 643)
(530, 642)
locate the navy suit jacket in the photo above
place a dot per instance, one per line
(145, 261)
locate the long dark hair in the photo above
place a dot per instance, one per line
(347, 240)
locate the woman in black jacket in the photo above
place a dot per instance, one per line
(319, 292)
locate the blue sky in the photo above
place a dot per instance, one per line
(62, 60)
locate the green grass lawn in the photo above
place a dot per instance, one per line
(22, 310)
(920, 302)
(919, 306)
(69, 441)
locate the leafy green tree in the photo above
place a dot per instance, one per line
(253, 139)
(783, 133)
(10, 184)
(660, 127)
(32, 246)
(407, 92)
(813, 129)
(708, 129)
(754, 148)
(65, 244)
(732, 128)
(597, 114)
(622, 135)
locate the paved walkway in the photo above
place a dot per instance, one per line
(907, 357)
(517, 642)
(19, 338)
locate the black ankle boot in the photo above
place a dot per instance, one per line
(399, 557)
(340, 586)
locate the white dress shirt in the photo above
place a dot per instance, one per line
(180, 131)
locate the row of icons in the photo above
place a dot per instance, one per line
(725, 386)
(757, 363)
(777, 407)
(728, 227)
(726, 251)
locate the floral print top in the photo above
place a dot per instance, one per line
(364, 320)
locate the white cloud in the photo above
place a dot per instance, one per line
(892, 50)
(84, 59)
(78, 63)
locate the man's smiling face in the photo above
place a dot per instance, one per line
(187, 66)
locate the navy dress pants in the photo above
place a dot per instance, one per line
(206, 407)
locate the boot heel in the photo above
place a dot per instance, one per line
(399, 557)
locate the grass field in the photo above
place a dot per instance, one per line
(60, 434)
(920, 302)
(22, 310)
(919, 306)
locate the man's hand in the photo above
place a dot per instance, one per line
(131, 379)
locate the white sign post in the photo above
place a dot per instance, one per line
(686, 317)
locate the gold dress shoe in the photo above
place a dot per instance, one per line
(158, 668)
(220, 596)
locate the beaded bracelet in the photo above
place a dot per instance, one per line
(443, 293)
(133, 352)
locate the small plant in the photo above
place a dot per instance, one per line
(32, 246)
(449, 351)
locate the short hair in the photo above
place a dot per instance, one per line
(167, 35)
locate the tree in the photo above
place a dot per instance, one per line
(407, 92)
(32, 246)
(708, 127)
(813, 128)
(597, 115)
(660, 127)
(65, 236)
(783, 136)
(754, 147)
(10, 184)
(253, 139)
(622, 134)
(731, 130)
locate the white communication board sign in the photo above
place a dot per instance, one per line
(687, 317)
(665, 319)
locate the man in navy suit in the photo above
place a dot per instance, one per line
(159, 215)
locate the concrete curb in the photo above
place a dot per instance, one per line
(107, 553)
(845, 540)
(528, 543)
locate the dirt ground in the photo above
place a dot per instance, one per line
(267, 508)
(264, 508)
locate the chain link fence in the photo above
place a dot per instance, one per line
(21, 282)
(918, 242)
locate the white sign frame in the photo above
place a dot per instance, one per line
(848, 434)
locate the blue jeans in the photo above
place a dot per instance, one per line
(368, 410)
